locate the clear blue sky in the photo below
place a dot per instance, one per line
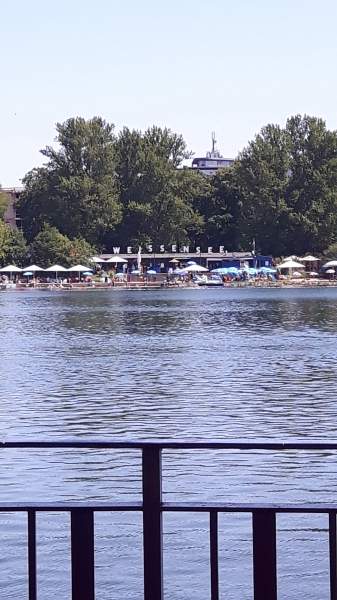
(195, 66)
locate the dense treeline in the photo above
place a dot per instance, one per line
(99, 188)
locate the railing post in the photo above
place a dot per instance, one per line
(82, 554)
(333, 555)
(264, 555)
(152, 523)
(214, 554)
(32, 588)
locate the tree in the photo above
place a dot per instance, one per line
(330, 252)
(13, 248)
(76, 190)
(221, 209)
(80, 252)
(287, 183)
(52, 247)
(311, 193)
(191, 188)
(168, 146)
(131, 188)
(261, 176)
(3, 203)
(153, 194)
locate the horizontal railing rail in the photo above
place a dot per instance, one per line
(152, 508)
(168, 444)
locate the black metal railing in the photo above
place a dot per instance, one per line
(152, 507)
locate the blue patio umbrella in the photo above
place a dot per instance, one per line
(233, 270)
(151, 272)
(266, 270)
(179, 272)
(220, 270)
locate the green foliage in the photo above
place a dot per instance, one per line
(261, 176)
(3, 203)
(76, 190)
(311, 193)
(282, 190)
(221, 208)
(155, 198)
(330, 252)
(101, 189)
(13, 248)
(80, 252)
(52, 247)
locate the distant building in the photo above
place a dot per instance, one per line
(213, 160)
(162, 261)
(11, 216)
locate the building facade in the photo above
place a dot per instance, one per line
(163, 261)
(11, 216)
(209, 164)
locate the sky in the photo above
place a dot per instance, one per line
(193, 66)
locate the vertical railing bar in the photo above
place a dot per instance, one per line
(152, 523)
(333, 555)
(82, 554)
(214, 554)
(264, 555)
(32, 577)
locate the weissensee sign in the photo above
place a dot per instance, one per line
(173, 248)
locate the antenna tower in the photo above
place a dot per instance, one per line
(213, 141)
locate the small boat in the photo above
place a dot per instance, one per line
(208, 281)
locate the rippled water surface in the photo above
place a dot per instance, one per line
(205, 364)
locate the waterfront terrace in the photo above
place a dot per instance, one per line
(210, 260)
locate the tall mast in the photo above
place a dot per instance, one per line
(213, 142)
(214, 153)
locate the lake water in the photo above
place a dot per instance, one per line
(205, 364)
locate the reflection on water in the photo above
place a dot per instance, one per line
(174, 363)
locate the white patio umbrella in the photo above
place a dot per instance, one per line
(56, 269)
(116, 260)
(33, 268)
(290, 264)
(174, 260)
(309, 259)
(195, 269)
(98, 260)
(11, 269)
(179, 272)
(330, 263)
(78, 269)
